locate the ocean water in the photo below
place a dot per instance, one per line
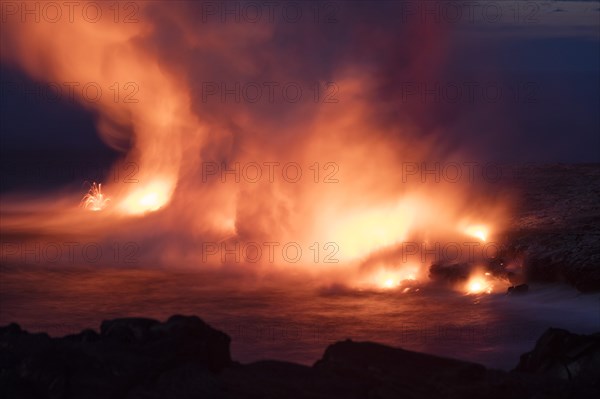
(295, 320)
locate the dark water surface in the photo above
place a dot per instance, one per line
(295, 321)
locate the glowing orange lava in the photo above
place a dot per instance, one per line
(147, 199)
(479, 284)
(390, 279)
(478, 231)
(360, 232)
(94, 200)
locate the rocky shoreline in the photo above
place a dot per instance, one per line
(186, 358)
(556, 226)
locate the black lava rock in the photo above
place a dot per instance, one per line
(185, 358)
(127, 354)
(518, 289)
(561, 354)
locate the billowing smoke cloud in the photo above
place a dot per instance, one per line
(257, 125)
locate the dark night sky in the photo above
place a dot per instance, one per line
(560, 125)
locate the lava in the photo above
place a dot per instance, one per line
(386, 279)
(478, 231)
(95, 200)
(147, 199)
(479, 283)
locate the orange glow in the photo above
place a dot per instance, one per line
(362, 232)
(148, 199)
(480, 284)
(355, 199)
(136, 92)
(94, 200)
(390, 279)
(389, 283)
(478, 231)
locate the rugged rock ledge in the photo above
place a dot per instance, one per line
(186, 358)
(554, 233)
(556, 227)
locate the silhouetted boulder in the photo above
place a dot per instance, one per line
(561, 354)
(127, 330)
(517, 289)
(86, 336)
(128, 353)
(398, 370)
(184, 358)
